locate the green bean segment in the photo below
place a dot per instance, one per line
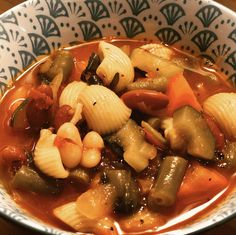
(170, 177)
(28, 179)
(127, 191)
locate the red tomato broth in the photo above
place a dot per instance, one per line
(41, 206)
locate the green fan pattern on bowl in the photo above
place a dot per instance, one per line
(196, 27)
(36, 27)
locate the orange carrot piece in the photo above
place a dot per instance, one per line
(201, 184)
(180, 94)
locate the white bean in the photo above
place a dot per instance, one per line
(69, 131)
(70, 153)
(90, 157)
(93, 140)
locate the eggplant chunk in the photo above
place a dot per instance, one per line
(127, 192)
(81, 176)
(93, 63)
(168, 181)
(89, 74)
(28, 179)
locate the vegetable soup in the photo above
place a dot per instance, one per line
(119, 136)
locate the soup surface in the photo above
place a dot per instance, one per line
(118, 136)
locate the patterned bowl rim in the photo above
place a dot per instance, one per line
(195, 230)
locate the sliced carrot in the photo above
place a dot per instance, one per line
(201, 184)
(146, 101)
(180, 94)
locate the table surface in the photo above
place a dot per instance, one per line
(7, 228)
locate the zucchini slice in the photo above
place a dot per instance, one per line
(190, 125)
(18, 119)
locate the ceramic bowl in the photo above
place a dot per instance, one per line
(36, 27)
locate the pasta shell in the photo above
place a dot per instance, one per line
(222, 107)
(47, 157)
(155, 58)
(70, 94)
(114, 61)
(69, 214)
(104, 111)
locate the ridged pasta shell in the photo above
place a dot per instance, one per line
(155, 58)
(69, 214)
(104, 111)
(114, 61)
(70, 94)
(47, 156)
(222, 107)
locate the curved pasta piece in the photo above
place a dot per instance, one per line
(155, 58)
(222, 107)
(104, 111)
(69, 214)
(114, 61)
(47, 156)
(78, 114)
(71, 92)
